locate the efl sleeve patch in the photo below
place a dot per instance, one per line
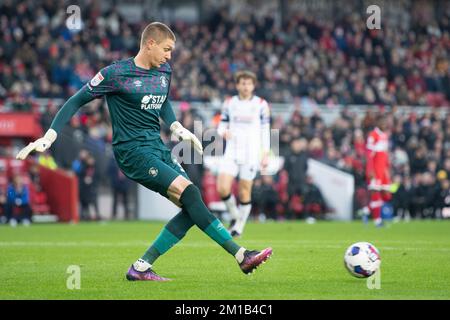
(97, 79)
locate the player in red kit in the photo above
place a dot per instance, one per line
(377, 169)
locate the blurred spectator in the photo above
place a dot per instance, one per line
(46, 160)
(401, 199)
(296, 165)
(88, 183)
(419, 161)
(432, 195)
(443, 203)
(3, 191)
(18, 203)
(80, 162)
(419, 193)
(120, 186)
(3, 218)
(316, 148)
(35, 176)
(314, 203)
(264, 198)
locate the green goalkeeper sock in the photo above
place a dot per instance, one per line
(208, 223)
(170, 235)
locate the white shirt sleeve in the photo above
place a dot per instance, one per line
(265, 126)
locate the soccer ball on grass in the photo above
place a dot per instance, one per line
(362, 259)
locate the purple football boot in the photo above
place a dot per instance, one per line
(253, 259)
(148, 275)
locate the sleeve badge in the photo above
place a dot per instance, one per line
(97, 79)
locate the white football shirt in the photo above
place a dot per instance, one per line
(248, 121)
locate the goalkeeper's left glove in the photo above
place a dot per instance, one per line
(184, 134)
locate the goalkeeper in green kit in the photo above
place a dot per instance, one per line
(137, 91)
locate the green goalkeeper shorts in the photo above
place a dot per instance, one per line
(151, 164)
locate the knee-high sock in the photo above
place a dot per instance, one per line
(230, 202)
(244, 212)
(192, 202)
(170, 235)
(375, 204)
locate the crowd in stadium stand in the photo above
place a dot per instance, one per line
(341, 62)
(420, 155)
(333, 62)
(420, 163)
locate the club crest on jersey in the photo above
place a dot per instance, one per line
(153, 171)
(97, 79)
(163, 81)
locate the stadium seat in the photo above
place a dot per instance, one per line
(209, 193)
(16, 167)
(436, 99)
(3, 182)
(282, 186)
(38, 201)
(296, 205)
(361, 197)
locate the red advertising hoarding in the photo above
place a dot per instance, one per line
(19, 125)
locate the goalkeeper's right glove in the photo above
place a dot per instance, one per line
(40, 145)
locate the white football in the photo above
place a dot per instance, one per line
(362, 259)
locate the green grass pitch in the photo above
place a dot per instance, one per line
(307, 262)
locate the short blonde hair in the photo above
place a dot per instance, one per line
(157, 31)
(245, 74)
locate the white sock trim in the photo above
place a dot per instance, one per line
(244, 212)
(141, 265)
(231, 207)
(240, 255)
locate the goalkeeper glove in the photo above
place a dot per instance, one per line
(182, 133)
(40, 145)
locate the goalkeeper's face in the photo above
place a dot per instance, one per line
(160, 53)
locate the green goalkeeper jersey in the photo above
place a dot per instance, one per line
(136, 99)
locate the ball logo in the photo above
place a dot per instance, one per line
(97, 79)
(145, 99)
(153, 171)
(163, 81)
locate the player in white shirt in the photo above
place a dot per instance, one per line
(245, 125)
